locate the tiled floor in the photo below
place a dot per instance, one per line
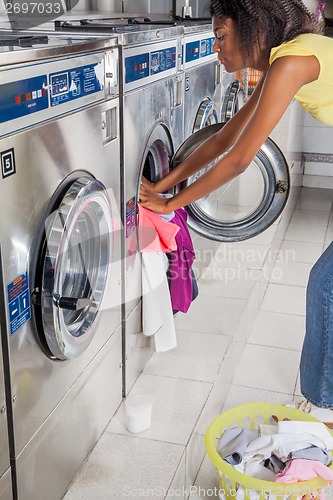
(240, 342)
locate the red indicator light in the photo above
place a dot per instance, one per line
(43, 92)
(17, 99)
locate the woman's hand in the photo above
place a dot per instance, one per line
(153, 201)
(149, 185)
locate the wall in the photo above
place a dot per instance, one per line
(318, 153)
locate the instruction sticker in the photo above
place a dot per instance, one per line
(18, 302)
(130, 216)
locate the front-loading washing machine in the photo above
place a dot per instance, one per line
(202, 77)
(211, 96)
(152, 130)
(151, 100)
(60, 281)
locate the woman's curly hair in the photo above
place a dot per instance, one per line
(265, 23)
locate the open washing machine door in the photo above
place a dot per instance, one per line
(71, 267)
(233, 100)
(245, 206)
(157, 155)
(206, 115)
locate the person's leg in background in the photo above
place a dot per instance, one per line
(316, 371)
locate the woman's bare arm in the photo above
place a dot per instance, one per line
(283, 80)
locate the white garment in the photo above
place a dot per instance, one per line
(281, 445)
(157, 315)
(318, 429)
(254, 468)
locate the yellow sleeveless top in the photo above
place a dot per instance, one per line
(315, 97)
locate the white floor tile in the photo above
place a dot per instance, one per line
(315, 199)
(285, 299)
(297, 391)
(311, 234)
(117, 467)
(245, 255)
(278, 330)
(328, 237)
(297, 251)
(212, 315)
(221, 281)
(239, 395)
(291, 273)
(268, 368)
(310, 217)
(198, 356)
(206, 485)
(177, 407)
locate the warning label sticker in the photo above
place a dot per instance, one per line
(18, 302)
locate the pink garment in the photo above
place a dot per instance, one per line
(155, 234)
(301, 469)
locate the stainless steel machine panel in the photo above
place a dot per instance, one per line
(153, 97)
(202, 77)
(61, 260)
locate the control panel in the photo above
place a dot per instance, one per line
(147, 63)
(31, 94)
(198, 49)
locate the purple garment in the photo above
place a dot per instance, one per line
(181, 260)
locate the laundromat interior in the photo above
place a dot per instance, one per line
(107, 389)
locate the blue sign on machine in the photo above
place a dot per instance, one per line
(74, 83)
(18, 302)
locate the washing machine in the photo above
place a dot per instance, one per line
(60, 281)
(211, 96)
(151, 97)
(5, 469)
(202, 79)
(152, 129)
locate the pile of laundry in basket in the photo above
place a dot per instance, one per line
(287, 451)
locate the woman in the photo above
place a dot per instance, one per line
(282, 40)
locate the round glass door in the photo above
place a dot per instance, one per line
(233, 100)
(207, 115)
(245, 206)
(74, 268)
(157, 154)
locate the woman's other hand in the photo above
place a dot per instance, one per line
(153, 201)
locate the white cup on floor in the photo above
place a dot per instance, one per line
(138, 411)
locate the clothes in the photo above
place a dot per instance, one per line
(315, 97)
(233, 443)
(256, 468)
(181, 260)
(157, 316)
(313, 453)
(316, 370)
(281, 445)
(155, 234)
(304, 470)
(301, 428)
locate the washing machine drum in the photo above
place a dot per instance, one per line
(72, 262)
(245, 206)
